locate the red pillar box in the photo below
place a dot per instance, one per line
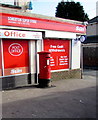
(44, 78)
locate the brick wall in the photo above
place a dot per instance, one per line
(76, 73)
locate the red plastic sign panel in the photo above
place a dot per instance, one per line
(0, 62)
(16, 57)
(31, 22)
(59, 53)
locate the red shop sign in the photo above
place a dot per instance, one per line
(31, 22)
(59, 53)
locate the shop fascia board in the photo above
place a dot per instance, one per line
(41, 23)
(5, 33)
(19, 12)
(73, 35)
(66, 34)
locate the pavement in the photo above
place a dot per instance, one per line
(70, 98)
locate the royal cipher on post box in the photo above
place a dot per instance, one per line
(44, 77)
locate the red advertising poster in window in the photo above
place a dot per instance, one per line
(15, 57)
(59, 53)
(0, 62)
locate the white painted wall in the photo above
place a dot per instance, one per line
(34, 47)
(76, 51)
(59, 34)
(32, 56)
(39, 49)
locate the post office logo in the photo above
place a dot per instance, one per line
(15, 49)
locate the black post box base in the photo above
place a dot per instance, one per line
(44, 83)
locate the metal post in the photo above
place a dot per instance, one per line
(81, 60)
